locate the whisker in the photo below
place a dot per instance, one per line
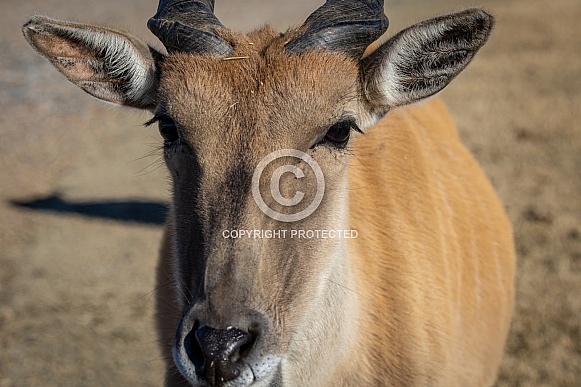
(347, 288)
(158, 164)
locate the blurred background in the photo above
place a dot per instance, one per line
(83, 190)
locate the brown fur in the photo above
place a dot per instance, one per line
(435, 257)
(436, 305)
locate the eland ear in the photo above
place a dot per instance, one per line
(422, 59)
(110, 65)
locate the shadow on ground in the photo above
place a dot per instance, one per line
(123, 211)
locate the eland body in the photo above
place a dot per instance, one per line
(419, 292)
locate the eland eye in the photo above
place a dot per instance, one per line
(338, 134)
(168, 129)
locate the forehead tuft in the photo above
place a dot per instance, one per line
(258, 72)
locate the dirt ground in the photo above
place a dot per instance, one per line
(80, 207)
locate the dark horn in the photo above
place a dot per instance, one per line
(347, 26)
(189, 26)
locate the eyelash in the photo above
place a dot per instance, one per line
(167, 129)
(338, 135)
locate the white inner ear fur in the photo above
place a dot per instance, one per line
(121, 60)
(422, 59)
(386, 82)
(390, 75)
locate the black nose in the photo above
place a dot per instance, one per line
(216, 353)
